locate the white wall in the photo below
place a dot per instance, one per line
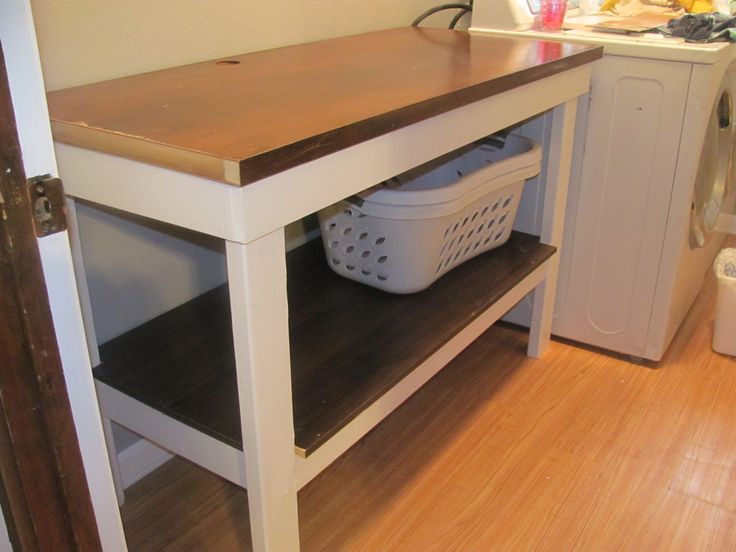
(89, 40)
(83, 41)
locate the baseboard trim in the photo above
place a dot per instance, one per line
(140, 459)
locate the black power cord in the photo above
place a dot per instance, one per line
(458, 16)
(464, 9)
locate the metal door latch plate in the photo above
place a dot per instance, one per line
(47, 201)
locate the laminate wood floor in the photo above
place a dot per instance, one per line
(578, 451)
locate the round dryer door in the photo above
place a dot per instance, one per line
(714, 170)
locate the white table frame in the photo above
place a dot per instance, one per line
(251, 220)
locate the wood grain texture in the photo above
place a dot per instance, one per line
(43, 487)
(578, 451)
(250, 116)
(349, 342)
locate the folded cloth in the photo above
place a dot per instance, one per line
(628, 8)
(702, 27)
(698, 6)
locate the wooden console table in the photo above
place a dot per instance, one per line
(240, 147)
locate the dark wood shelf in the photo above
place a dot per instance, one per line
(349, 343)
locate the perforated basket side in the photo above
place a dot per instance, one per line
(482, 226)
(355, 245)
(405, 256)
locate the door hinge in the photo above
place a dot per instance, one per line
(47, 202)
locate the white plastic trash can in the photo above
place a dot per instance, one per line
(724, 331)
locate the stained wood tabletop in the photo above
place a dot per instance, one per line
(246, 117)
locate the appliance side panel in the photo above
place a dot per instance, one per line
(626, 154)
(631, 151)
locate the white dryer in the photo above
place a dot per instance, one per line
(652, 170)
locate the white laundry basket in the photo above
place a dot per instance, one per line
(403, 234)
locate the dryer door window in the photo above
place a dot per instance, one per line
(713, 171)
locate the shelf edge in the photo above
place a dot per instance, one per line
(311, 463)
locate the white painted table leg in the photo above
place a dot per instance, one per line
(85, 304)
(257, 282)
(113, 454)
(553, 222)
(80, 274)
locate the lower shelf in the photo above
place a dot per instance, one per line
(349, 343)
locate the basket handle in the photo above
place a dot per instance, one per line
(355, 200)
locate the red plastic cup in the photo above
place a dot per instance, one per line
(553, 14)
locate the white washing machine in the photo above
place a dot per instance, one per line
(652, 171)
